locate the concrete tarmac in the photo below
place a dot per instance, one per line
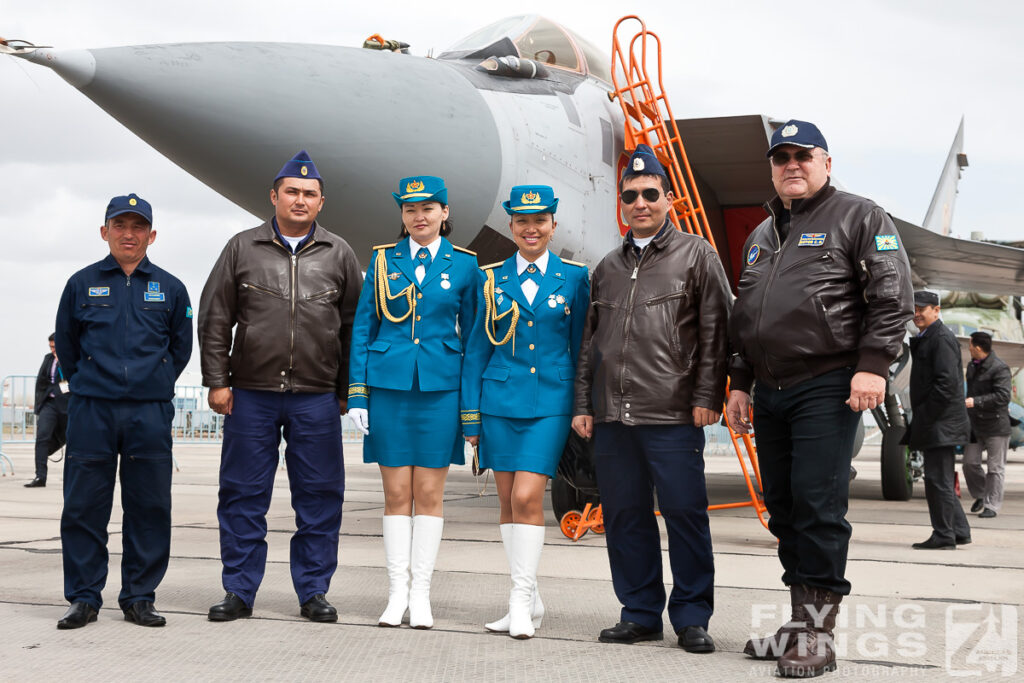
(930, 615)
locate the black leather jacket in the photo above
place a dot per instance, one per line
(654, 345)
(292, 314)
(836, 294)
(989, 384)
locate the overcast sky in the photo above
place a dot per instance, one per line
(887, 82)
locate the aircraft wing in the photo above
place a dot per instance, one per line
(943, 262)
(1011, 352)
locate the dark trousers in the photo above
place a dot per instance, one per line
(948, 519)
(631, 463)
(98, 431)
(51, 428)
(311, 424)
(805, 440)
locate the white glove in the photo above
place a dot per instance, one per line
(361, 418)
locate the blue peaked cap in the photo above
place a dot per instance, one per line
(531, 199)
(421, 188)
(129, 203)
(799, 133)
(301, 166)
(644, 162)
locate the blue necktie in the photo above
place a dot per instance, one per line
(423, 258)
(531, 273)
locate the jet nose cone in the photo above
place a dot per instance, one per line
(77, 67)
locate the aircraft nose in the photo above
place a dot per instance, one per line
(232, 113)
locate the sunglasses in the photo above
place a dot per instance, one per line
(651, 194)
(801, 157)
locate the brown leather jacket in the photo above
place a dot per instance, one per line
(655, 344)
(292, 314)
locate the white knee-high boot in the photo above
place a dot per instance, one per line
(397, 549)
(528, 543)
(537, 607)
(426, 539)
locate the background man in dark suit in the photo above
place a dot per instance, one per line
(51, 409)
(988, 400)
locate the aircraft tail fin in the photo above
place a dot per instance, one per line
(939, 217)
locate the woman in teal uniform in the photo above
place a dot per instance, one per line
(404, 385)
(522, 362)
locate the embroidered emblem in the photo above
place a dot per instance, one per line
(99, 291)
(886, 243)
(789, 131)
(188, 311)
(152, 297)
(152, 286)
(638, 164)
(752, 254)
(414, 186)
(531, 197)
(811, 239)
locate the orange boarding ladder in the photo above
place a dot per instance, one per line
(649, 120)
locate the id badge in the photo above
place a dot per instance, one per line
(64, 388)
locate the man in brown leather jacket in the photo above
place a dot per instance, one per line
(824, 298)
(651, 375)
(288, 289)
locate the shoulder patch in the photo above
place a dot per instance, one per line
(464, 251)
(385, 246)
(491, 265)
(886, 243)
(574, 263)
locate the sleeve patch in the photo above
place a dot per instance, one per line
(886, 243)
(188, 311)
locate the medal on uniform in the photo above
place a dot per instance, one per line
(393, 276)
(567, 309)
(560, 299)
(551, 302)
(445, 283)
(500, 299)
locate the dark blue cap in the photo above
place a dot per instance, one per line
(799, 133)
(923, 297)
(643, 162)
(421, 188)
(531, 199)
(299, 167)
(130, 203)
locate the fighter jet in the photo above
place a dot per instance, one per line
(523, 100)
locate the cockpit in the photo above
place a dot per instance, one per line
(534, 38)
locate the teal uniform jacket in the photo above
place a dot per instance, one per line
(427, 343)
(537, 380)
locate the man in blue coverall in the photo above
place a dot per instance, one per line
(124, 334)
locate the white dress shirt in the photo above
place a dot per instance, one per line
(530, 287)
(414, 248)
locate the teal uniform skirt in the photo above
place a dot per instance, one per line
(418, 428)
(509, 444)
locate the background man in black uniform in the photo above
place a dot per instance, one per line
(938, 421)
(51, 409)
(989, 387)
(824, 297)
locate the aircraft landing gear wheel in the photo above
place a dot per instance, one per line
(570, 522)
(596, 517)
(897, 476)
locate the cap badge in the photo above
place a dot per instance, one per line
(132, 201)
(414, 186)
(531, 198)
(304, 170)
(789, 131)
(638, 164)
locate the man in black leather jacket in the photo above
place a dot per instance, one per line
(824, 296)
(989, 387)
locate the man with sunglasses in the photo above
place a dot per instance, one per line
(824, 298)
(651, 376)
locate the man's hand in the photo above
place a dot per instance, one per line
(737, 411)
(473, 440)
(583, 425)
(969, 402)
(867, 391)
(221, 400)
(702, 417)
(342, 405)
(361, 418)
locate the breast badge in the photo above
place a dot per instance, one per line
(445, 282)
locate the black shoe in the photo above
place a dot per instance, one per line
(628, 632)
(318, 609)
(36, 483)
(935, 544)
(77, 616)
(963, 540)
(987, 513)
(978, 504)
(229, 609)
(144, 614)
(695, 639)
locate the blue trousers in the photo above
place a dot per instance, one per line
(805, 438)
(98, 431)
(631, 463)
(311, 425)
